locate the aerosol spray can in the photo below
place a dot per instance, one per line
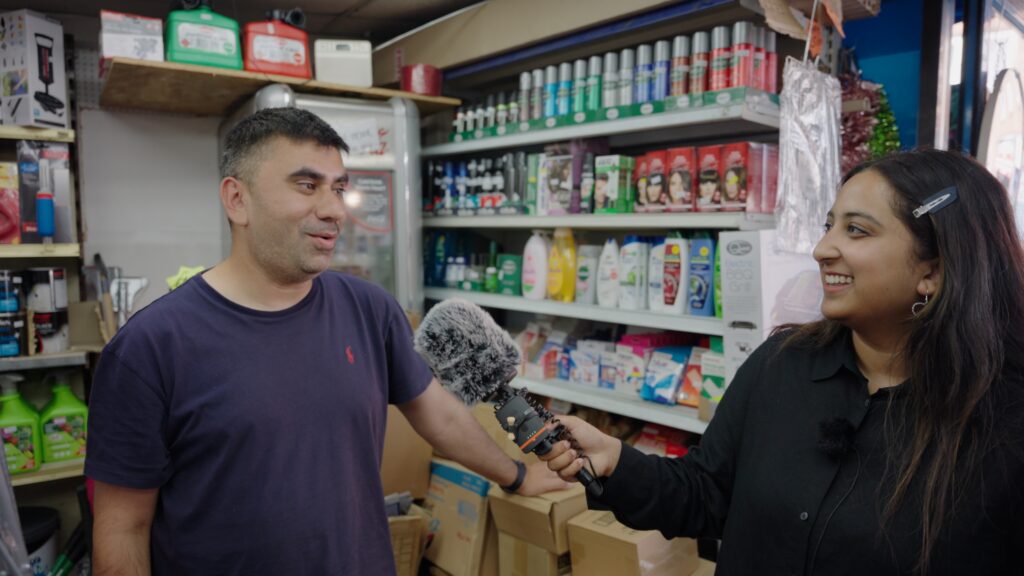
(491, 112)
(470, 118)
(627, 59)
(644, 74)
(550, 91)
(699, 63)
(523, 97)
(662, 65)
(459, 123)
(579, 86)
(536, 110)
(760, 77)
(742, 73)
(721, 58)
(481, 115)
(594, 84)
(513, 106)
(610, 90)
(564, 94)
(681, 65)
(501, 111)
(771, 63)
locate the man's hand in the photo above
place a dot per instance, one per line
(602, 449)
(540, 479)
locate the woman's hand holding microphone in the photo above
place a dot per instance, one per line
(602, 450)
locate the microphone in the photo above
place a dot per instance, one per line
(836, 437)
(474, 359)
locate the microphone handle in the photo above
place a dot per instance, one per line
(593, 485)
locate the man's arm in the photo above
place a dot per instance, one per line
(122, 520)
(449, 426)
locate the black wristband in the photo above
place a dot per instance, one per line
(520, 476)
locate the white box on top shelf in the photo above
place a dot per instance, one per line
(35, 91)
(761, 290)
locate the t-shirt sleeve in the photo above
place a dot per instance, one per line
(408, 374)
(127, 420)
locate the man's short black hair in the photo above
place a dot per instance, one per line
(245, 140)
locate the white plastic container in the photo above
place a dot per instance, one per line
(633, 274)
(608, 275)
(676, 267)
(655, 276)
(535, 266)
(587, 260)
(343, 62)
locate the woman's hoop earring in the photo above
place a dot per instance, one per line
(918, 306)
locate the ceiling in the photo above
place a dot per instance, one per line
(374, 20)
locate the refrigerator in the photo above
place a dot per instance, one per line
(382, 237)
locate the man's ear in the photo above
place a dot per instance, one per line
(234, 196)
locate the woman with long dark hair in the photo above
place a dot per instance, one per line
(887, 438)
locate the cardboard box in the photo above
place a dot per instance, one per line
(520, 558)
(539, 520)
(129, 36)
(407, 539)
(640, 183)
(657, 182)
(682, 179)
(457, 501)
(709, 191)
(405, 466)
(601, 546)
(35, 91)
(10, 204)
(613, 184)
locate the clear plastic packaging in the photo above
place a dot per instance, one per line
(809, 152)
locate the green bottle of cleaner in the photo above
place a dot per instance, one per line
(19, 427)
(198, 35)
(63, 424)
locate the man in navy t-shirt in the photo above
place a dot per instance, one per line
(236, 424)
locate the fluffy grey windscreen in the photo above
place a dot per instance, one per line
(467, 351)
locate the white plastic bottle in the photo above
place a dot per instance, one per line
(633, 274)
(587, 261)
(608, 275)
(655, 276)
(535, 266)
(675, 273)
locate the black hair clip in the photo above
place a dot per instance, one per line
(936, 202)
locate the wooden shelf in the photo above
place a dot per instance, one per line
(30, 133)
(641, 318)
(43, 361)
(210, 91)
(852, 9)
(40, 250)
(690, 220)
(49, 473)
(678, 417)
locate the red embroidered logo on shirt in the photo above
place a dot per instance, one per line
(348, 354)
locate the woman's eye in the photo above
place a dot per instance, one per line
(828, 226)
(854, 229)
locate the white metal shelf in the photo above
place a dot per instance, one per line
(700, 122)
(58, 360)
(686, 220)
(678, 417)
(642, 318)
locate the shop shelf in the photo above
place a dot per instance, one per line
(30, 133)
(641, 318)
(694, 220)
(209, 91)
(49, 473)
(678, 417)
(40, 250)
(43, 361)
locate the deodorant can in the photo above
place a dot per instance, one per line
(579, 86)
(594, 84)
(523, 97)
(644, 74)
(550, 91)
(610, 88)
(537, 95)
(627, 60)
(662, 65)
(564, 93)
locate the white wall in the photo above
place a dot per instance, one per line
(149, 193)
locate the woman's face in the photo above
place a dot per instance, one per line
(869, 270)
(675, 187)
(654, 192)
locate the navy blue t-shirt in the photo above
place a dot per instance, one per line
(262, 430)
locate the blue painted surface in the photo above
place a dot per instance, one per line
(888, 48)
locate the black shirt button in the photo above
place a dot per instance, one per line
(867, 402)
(803, 516)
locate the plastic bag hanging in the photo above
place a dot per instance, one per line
(809, 150)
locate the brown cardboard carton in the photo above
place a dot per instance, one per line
(601, 546)
(407, 543)
(457, 501)
(405, 466)
(539, 520)
(519, 558)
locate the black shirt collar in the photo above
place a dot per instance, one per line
(839, 354)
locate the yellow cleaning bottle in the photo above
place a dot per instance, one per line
(562, 267)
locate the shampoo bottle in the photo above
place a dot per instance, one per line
(535, 267)
(608, 275)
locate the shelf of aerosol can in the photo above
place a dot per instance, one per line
(43, 361)
(40, 250)
(641, 318)
(678, 417)
(702, 122)
(688, 220)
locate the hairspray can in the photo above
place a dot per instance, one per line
(627, 60)
(721, 58)
(771, 63)
(644, 74)
(680, 65)
(594, 84)
(550, 91)
(760, 78)
(537, 95)
(579, 86)
(742, 72)
(662, 65)
(564, 94)
(610, 88)
(699, 63)
(523, 97)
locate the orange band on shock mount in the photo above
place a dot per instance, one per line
(531, 439)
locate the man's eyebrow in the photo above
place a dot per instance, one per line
(306, 172)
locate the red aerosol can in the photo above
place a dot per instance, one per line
(279, 45)
(721, 59)
(742, 73)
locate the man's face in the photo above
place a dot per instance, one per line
(296, 208)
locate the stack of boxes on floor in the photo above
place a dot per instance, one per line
(474, 529)
(581, 177)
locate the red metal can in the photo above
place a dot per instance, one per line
(421, 79)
